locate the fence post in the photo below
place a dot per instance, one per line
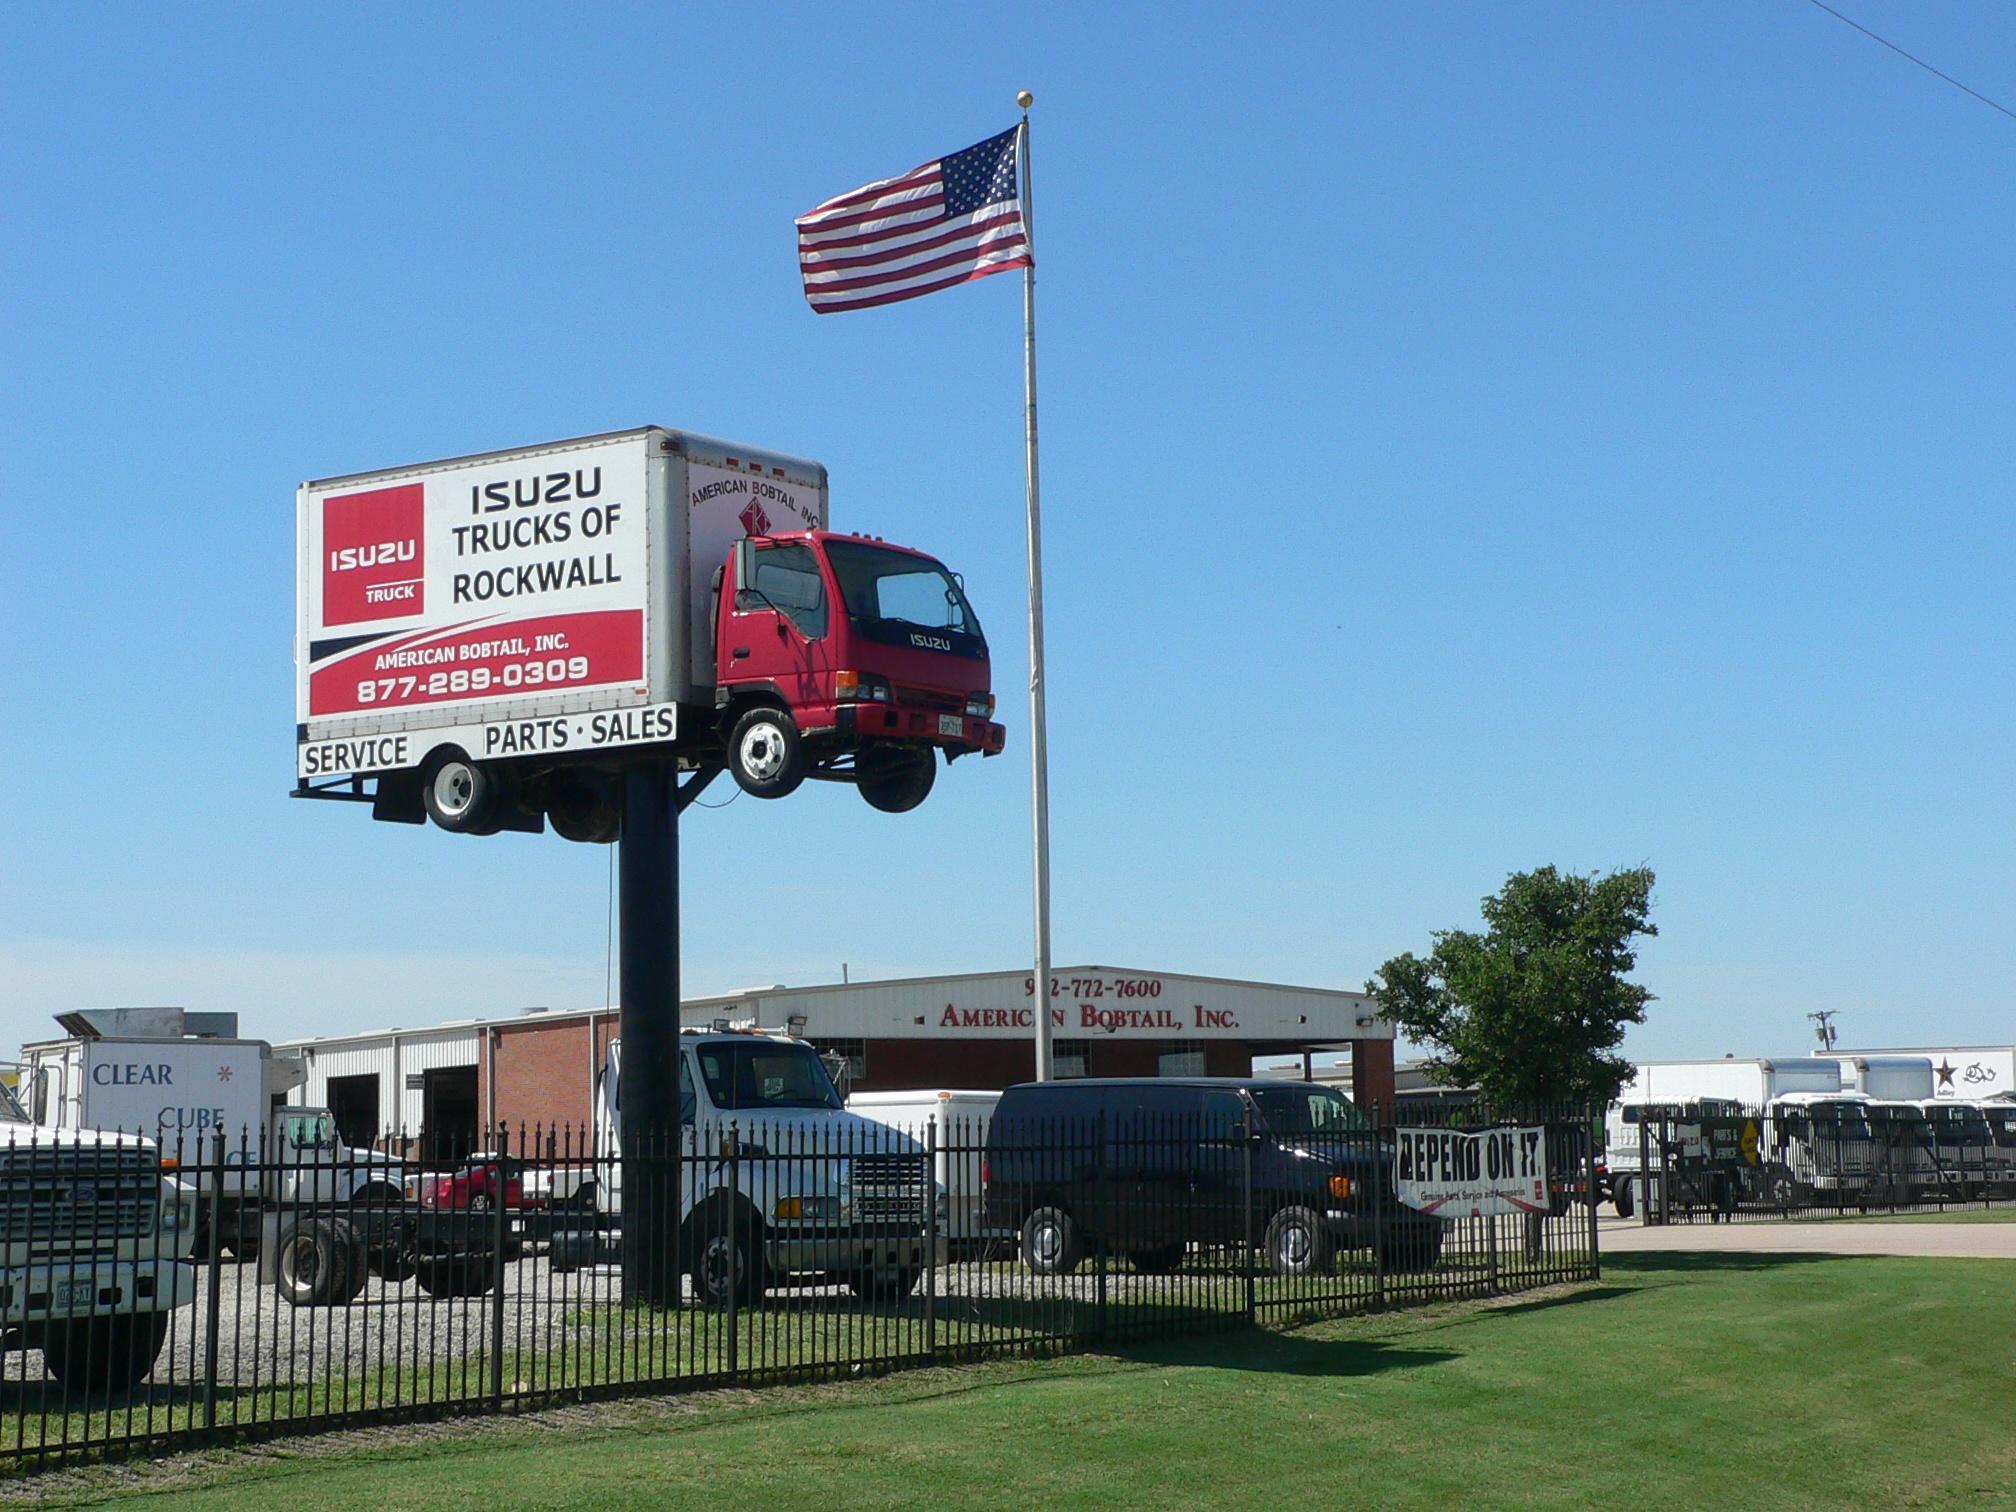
(1098, 1174)
(931, 1237)
(213, 1284)
(499, 1226)
(1380, 1176)
(1246, 1199)
(733, 1217)
(1589, 1176)
(1644, 1171)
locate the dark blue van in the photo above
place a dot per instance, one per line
(1146, 1167)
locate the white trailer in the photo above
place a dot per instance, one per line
(957, 1122)
(1904, 1078)
(1964, 1073)
(183, 1081)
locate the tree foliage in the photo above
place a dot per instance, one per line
(1534, 1009)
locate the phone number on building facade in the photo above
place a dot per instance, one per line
(1097, 987)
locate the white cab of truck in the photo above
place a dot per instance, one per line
(182, 1079)
(93, 1235)
(821, 1193)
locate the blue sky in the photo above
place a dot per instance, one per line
(1474, 437)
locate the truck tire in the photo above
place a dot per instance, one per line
(895, 779)
(1298, 1244)
(1051, 1243)
(724, 1248)
(583, 807)
(454, 1275)
(1620, 1196)
(104, 1354)
(320, 1264)
(766, 753)
(460, 795)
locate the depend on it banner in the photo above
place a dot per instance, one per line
(1456, 1175)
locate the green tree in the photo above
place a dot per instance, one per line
(1533, 1009)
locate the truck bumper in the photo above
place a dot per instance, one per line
(958, 734)
(847, 1251)
(46, 1293)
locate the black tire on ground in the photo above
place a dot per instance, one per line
(895, 779)
(321, 1263)
(724, 1247)
(1620, 1196)
(1406, 1250)
(1159, 1261)
(104, 1354)
(1051, 1243)
(766, 754)
(884, 1286)
(1298, 1244)
(460, 795)
(454, 1275)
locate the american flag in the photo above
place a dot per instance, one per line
(948, 222)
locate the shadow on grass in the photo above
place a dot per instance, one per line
(1573, 1299)
(1280, 1354)
(1718, 1260)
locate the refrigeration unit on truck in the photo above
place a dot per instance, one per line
(93, 1239)
(778, 1182)
(490, 638)
(182, 1079)
(1678, 1095)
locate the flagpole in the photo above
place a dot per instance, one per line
(1039, 750)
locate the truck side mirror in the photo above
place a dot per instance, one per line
(745, 565)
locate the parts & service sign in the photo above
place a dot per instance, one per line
(1456, 1175)
(479, 582)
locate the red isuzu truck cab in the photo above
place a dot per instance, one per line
(845, 656)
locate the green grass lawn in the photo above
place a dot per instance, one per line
(1732, 1380)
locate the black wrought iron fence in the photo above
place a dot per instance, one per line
(1813, 1158)
(254, 1286)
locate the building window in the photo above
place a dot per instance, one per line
(1067, 1057)
(1181, 1058)
(853, 1051)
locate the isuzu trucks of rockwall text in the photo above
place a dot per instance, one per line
(490, 638)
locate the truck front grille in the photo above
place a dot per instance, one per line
(77, 1202)
(890, 1188)
(927, 698)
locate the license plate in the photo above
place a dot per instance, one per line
(951, 724)
(76, 1296)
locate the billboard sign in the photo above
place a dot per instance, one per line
(1453, 1174)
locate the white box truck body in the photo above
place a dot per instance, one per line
(957, 1122)
(538, 600)
(1906, 1078)
(1664, 1096)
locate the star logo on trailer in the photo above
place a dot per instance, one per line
(1945, 1068)
(223, 1073)
(755, 521)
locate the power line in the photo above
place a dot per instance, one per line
(1912, 57)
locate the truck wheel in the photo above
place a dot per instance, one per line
(1159, 1261)
(766, 754)
(727, 1266)
(1051, 1244)
(454, 1275)
(583, 807)
(1620, 1196)
(458, 794)
(1410, 1249)
(895, 779)
(1298, 1244)
(321, 1264)
(104, 1354)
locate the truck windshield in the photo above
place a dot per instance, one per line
(759, 1075)
(901, 599)
(1307, 1110)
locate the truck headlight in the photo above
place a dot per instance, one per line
(981, 705)
(808, 1209)
(177, 1212)
(860, 687)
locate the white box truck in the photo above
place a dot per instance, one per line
(490, 637)
(93, 1239)
(956, 1123)
(180, 1080)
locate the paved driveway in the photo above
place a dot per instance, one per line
(1992, 1241)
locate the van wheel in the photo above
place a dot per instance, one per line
(104, 1354)
(1051, 1244)
(1298, 1244)
(458, 794)
(1620, 1196)
(766, 753)
(895, 779)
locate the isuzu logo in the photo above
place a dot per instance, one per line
(375, 563)
(930, 642)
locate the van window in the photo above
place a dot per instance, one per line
(1224, 1115)
(1304, 1109)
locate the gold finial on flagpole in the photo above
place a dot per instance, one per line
(1024, 98)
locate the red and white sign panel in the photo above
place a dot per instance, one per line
(476, 582)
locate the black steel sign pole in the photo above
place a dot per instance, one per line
(648, 1020)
